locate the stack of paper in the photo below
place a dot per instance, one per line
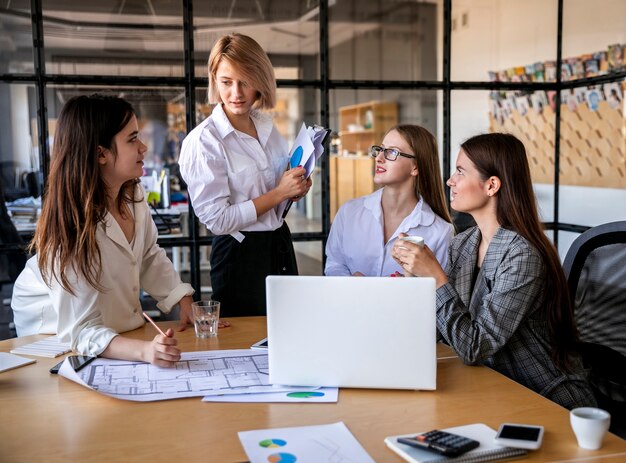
(49, 347)
(306, 150)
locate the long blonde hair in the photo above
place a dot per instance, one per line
(76, 200)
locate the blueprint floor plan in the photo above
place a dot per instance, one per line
(196, 374)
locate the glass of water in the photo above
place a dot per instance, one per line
(206, 315)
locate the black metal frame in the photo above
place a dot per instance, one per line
(324, 84)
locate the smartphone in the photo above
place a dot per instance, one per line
(76, 361)
(521, 436)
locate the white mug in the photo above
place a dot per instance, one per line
(590, 425)
(413, 239)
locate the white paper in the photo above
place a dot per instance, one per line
(307, 444)
(49, 347)
(308, 149)
(10, 361)
(307, 395)
(196, 374)
(309, 139)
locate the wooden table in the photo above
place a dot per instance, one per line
(49, 418)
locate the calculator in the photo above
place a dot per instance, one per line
(445, 443)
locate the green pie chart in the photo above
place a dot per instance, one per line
(305, 395)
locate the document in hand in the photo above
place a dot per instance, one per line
(306, 150)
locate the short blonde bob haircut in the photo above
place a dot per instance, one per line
(247, 56)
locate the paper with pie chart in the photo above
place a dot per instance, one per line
(329, 443)
(314, 395)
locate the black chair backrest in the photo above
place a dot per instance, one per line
(595, 266)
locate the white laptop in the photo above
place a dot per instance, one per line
(352, 331)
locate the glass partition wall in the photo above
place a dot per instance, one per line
(551, 72)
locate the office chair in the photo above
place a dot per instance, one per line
(595, 266)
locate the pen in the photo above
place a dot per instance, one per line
(287, 207)
(147, 317)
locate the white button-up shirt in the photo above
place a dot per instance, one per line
(356, 242)
(226, 169)
(91, 319)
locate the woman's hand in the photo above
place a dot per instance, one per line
(293, 184)
(162, 350)
(186, 313)
(417, 260)
(309, 182)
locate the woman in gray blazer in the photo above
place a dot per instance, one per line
(503, 299)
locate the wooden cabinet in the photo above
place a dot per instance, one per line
(363, 125)
(360, 126)
(350, 177)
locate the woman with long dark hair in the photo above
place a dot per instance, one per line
(503, 300)
(96, 241)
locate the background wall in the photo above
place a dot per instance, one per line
(499, 34)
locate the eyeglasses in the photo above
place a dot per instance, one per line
(391, 154)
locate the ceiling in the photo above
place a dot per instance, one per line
(154, 27)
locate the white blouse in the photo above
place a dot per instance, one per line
(226, 169)
(91, 319)
(356, 242)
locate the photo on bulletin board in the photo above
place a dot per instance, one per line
(613, 94)
(580, 94)
(496, 111)
(568, 98)
(552, 99)
(566, 71)
(538, 72)
(603, 63)
(538, 101)
(593, 98)
(578, 70)
(522, 105)
(508, 106)
(550, 71)
(615, 58)
(591, 67)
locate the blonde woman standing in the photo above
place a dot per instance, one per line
(234, 164)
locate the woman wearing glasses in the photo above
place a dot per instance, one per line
(503, 300)
(411, 201)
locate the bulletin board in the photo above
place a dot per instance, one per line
(593, 147)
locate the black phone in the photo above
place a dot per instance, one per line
(76, 361)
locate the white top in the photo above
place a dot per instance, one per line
(226, 169)
(356, 242)
(91, 319)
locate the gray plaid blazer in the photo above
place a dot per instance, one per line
(499, 320)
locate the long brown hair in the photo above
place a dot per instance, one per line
(503, 155)
(429, 183)
(76, 200)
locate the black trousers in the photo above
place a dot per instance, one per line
(238, 270)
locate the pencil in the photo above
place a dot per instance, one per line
(147, 317)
